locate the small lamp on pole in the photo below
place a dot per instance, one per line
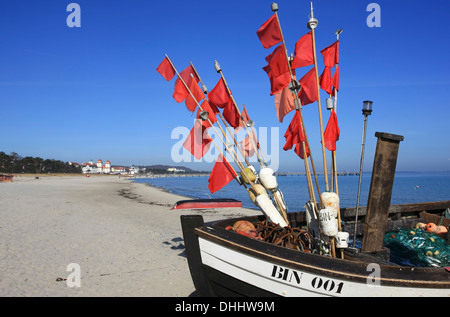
(367, 108)
(366, 111)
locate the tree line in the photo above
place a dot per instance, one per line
(14, 163)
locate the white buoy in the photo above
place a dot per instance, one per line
(267, 178)
(331, 200)
(328, 222)
(342, 240)
(271, 212)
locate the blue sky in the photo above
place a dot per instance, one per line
(92, 92)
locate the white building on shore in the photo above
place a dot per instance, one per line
(107, 168)
(175, 170)
(98, 168)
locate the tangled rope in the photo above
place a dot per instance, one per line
(292, 238)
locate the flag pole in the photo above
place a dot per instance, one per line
(205, 91)
(337, 32)
(298, 106)
(264, 203)
(235, 158)
(219, 70)
(261, 161)
(312, 24)
(279, 203)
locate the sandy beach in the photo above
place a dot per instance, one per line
(123, 235)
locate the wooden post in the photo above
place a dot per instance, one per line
(380, 192)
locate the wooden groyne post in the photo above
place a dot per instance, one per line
(380, 191)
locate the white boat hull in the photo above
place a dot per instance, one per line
(282, 280)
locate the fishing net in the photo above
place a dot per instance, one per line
(417, 247)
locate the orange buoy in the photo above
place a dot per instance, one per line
(441, 230)
(431, 227)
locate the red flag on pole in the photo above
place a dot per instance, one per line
(294, 136)
(221, 174)
(303, 53)
(335, 79)
(198, 140)
(332, 131)
(180, 92)
(269, 33)
(166, 69)
(219, 96)
(211, 113)
(308, 93)
(231, 115)
(284, 103)
(325, 80)
(299, 150)
(277, 70)
(331, 54)
(245, 117)
(197, 92)
(247, 144)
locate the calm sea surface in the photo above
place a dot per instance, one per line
(408, 188)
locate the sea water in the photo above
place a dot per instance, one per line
(408, 188)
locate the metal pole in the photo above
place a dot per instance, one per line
(360, 174)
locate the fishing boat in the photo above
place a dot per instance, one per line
(225, 263)
(283, 253)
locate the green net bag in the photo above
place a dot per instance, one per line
(416, 247)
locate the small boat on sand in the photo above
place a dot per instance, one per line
(226, 263)
(207, 203)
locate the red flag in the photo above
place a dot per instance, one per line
(211, 113)
(245, 117)
(308, 93)
(277, 61)
(277, 70)
(198, 140)
(331, 134)
(299, 150)
(325, 80)
(331, 54)
(335, 79)
(231, 115)
(166, 69)
(284, 103)
(180, 92)
(269, 33)
(219, 96)
(221, 174)
(191, 104)
(277, 83)
(304, 54)
(294, 136)
(247, 144)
